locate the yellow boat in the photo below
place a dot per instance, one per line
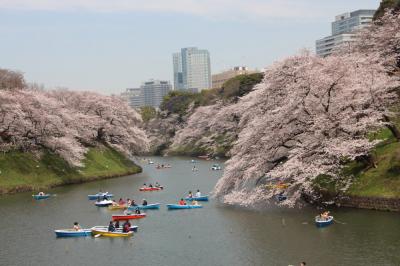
(102, 231)
(117, 207)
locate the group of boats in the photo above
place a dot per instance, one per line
(103, 199)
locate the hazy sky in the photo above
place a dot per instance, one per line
(109, 45)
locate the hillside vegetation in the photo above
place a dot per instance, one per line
(27, 172)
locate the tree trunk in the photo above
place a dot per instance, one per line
(395, 131)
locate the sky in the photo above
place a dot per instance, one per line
(109, 45)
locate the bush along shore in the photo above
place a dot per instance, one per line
(21, 172)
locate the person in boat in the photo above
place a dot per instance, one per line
(162, 166)
(157, 184)
(105, 197)
(127, 212)
(195, 203)
(116, 225)
(98, 199)
(182, 202)
(114, 203)
(198, 193)
(111, 227)
(77, 227)
(150, 185)
(144, 203)
(126, 227)
(133, 203)
(121, 202)
(194, 168)
(302, 263)
(137, 211)
(190, 195)
(129, 202)
(41, 193)
(325, 216)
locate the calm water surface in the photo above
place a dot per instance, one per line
(214, 235)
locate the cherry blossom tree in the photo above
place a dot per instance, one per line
(306, 117)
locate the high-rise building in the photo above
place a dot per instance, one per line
(154, 92)
(219, 79)
(150, 93)
(343, 30)
(192, 69)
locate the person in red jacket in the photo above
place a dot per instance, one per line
(182, 202)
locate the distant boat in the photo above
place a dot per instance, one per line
(117, 207)
(100, 195)
(39, 197)
(201, 198)
(72, 232)
(320, 222)
(177, 206)
(103, 203)
(133, 228)
(205, 157)
(145, 207)
(150, 188)
(216, 167)
(101, 231)
(123, 217)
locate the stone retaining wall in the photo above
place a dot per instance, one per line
(382, 204)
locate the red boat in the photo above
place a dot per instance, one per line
(124, 217)
(150, 188)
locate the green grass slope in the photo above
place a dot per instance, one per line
(24, 172)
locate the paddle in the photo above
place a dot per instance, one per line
(336, 221)
(96, 236)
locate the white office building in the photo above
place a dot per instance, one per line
(343, 30)
(192, 69)
(150, 93)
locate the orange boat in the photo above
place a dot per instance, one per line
(124, 217)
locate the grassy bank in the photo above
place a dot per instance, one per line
(25, 172)
(381, 181)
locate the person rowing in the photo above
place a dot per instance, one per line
(144, 203)
(137, 211)
(198, 193)
(41, 193)
(190, 195)
(126, 227)
(121, 202)
(182, 202)
(157, 184)
(133, 203)
(150, 185)
(77, 227)
(111, 227)
(195, 203)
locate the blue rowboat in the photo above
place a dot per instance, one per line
(281, 197)
(39, 197)
(201, 198)
(145, 207)
(73, 233)
(178, 207)
(319, 222)
(101, 195)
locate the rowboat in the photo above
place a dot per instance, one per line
(133, 228)
(103, 203)
(145, 207)
(100, 195)
(72, 232)
(281, 197)
(39, 197)
(201, 198)
(320, 222)
(177, 206)
(216, 167)
(150, 188)
(123, 217)
(116, 207)
(101, 231)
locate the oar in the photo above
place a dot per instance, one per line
(339, 221)
(96, 236)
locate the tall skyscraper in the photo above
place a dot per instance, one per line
(192, 69)
(150, 93)
(343, 30)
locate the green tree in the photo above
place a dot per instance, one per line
(148, 113)
(385, 4)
